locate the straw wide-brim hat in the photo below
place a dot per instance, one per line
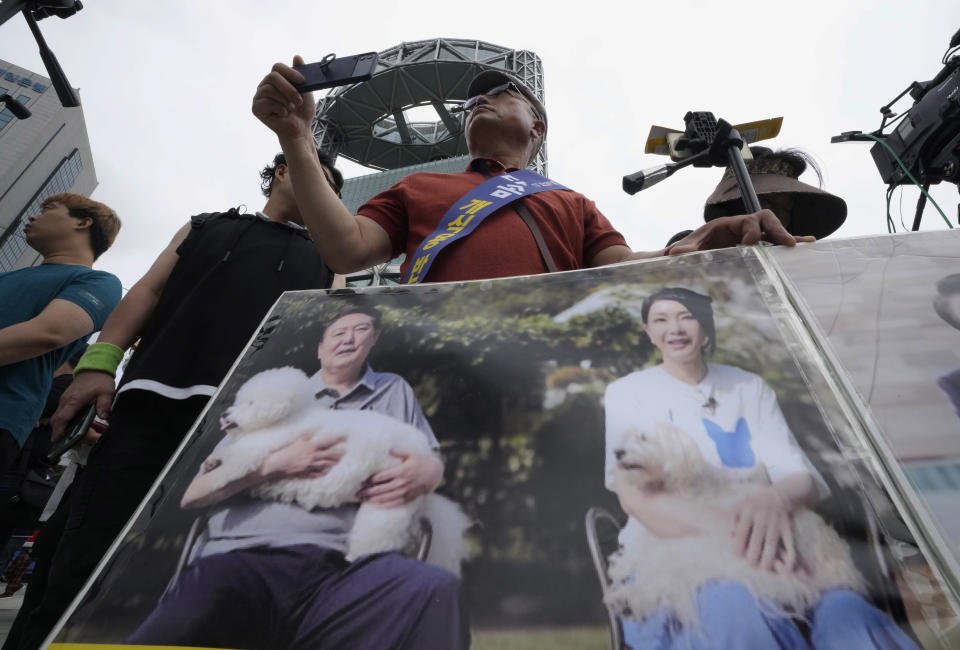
(814, 211)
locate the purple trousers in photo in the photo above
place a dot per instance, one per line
(305, 597)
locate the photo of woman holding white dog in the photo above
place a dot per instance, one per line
(721, 548)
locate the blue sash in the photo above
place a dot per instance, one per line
(470, 210)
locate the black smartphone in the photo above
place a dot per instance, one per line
(339, 71)
(75, 432)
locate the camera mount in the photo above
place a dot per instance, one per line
(706, 142)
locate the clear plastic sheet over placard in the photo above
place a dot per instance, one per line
(801, 274)
(514, 376)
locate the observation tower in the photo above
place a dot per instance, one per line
(401, 117)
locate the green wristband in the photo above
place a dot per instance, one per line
(100, 356)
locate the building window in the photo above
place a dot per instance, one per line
(5, 115)
(13, 242)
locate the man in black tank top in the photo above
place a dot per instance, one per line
(193, 313)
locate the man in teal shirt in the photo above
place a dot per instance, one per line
(48, 310)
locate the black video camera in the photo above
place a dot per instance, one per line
(927, 138)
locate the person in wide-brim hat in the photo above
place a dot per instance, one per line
(803, 209)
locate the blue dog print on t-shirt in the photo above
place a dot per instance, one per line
(733, 447)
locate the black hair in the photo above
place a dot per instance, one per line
(947, 287)
(786, 162)
(698, 305)
(268, 172)
(366, 310)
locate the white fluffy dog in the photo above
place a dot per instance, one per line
(650, 572)
(275, 407)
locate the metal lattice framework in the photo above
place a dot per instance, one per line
(402, 115)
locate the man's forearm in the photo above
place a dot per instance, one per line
(127, 321)
(38, 336)
(620, 253)
(646, 255)
(208, 488)
(59, 323)
(25, 340)
(336, 233)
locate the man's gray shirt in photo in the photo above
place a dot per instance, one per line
(246, 522)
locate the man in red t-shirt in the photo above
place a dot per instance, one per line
(505, 126)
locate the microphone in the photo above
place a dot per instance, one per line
(710, 404)
(19, 111)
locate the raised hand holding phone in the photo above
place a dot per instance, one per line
(334, 71)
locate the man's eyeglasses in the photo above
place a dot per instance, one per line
(493, 92)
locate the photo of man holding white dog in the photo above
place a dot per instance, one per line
(268, 573)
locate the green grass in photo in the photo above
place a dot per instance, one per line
(556, 638)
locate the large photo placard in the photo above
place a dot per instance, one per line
(645, 455)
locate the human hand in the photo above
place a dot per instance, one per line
(763, 532)
(91, 436)
(88, 387)
(746, 229)
(413, 476)
(277, 103)
(305, 457)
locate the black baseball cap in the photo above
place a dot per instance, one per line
(491, 78)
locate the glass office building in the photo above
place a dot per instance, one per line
(40, 156)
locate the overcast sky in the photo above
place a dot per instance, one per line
(166, 90)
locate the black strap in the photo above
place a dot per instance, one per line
(11, 481)
(23, 461)
(528, 219)
(537, 235)
(198, 220)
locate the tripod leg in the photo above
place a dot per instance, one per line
(747, 192)
(921, 204)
